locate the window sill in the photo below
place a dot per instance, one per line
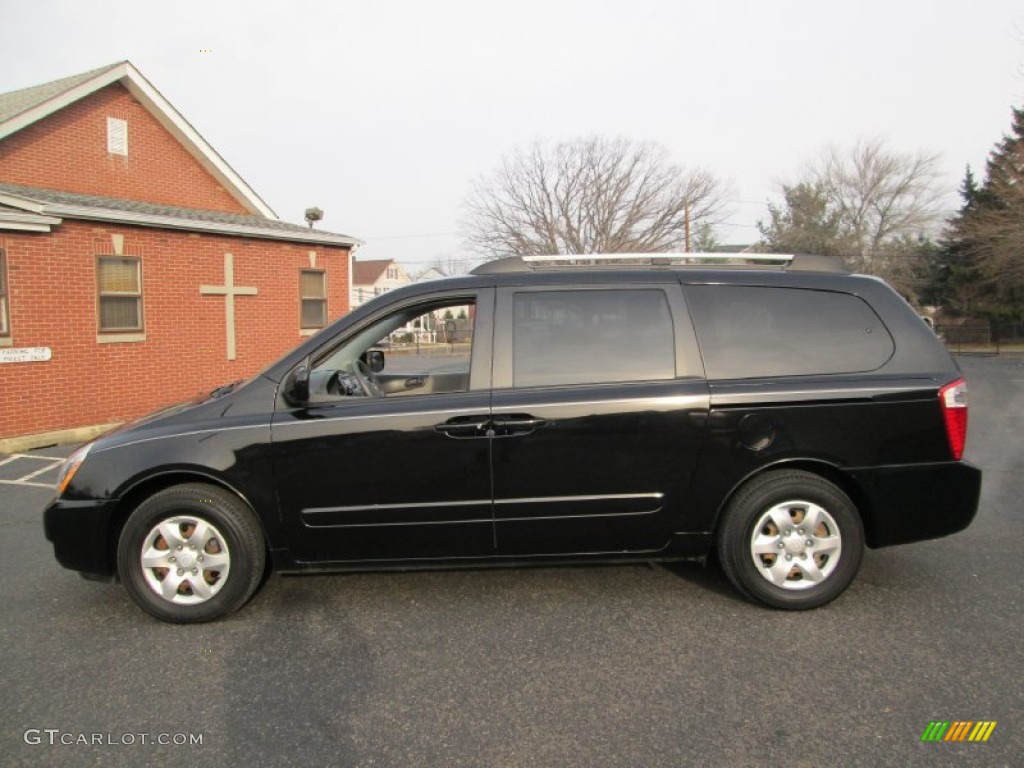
(119, 338)
(309, 331)
(6, 341)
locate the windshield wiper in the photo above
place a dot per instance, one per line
(221, 391)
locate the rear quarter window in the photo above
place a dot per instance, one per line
(753, 331)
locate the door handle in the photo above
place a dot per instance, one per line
(517, 424)
(465, 426)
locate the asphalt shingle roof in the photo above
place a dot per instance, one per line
(15, 102)
(367, 272)
(98, 202)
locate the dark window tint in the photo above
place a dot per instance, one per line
(746, 332)
(592, 337)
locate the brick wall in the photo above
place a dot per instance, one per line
(68, 151)
(52, 284)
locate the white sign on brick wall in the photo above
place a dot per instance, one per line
(25, 355)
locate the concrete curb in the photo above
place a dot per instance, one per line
(58, 437)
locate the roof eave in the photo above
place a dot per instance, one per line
(61, 100)
(165, 114)
(26, 222)
(195, 144)
(198, 225)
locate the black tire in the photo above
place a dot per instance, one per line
(212, 533)
(800, 570)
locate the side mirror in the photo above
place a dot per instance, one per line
(374, 359)
(296, 385)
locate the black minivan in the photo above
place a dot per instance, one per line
(780, 411)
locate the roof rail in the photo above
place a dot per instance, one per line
(801, 262)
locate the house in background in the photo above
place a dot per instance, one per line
(430, 273)
(372, 278)
(137, 268)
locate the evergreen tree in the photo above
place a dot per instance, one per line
(804, 223)
(985, 241)
(955, 282)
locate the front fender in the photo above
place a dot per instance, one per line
(234, 456)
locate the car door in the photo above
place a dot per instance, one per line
(598, 415)
(394, 476)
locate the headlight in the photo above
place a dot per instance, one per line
(70, 467)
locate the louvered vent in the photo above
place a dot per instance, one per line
(117, 136)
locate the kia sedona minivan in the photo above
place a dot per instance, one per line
(544, 410)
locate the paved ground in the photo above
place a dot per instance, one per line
(624, 666)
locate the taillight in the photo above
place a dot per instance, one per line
(953, 398)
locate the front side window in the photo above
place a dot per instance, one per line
(592, 337)
(423, 349)
(313, 298)
(120, 293)
(5, 328)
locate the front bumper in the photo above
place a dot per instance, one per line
(918, 502)
(81, 533)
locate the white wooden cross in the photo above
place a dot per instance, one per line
(229, 290)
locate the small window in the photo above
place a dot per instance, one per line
(117, 136)
(748, 332)
(5, 327)
(592, 337)
(313, 298)
(120, 294)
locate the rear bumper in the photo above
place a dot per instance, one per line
(81, 535)
(917, 502)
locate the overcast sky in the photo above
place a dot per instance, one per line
(381, 112)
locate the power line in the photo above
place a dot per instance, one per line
(412, 237)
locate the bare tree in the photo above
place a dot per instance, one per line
(592, 195)
(451, 266)
(874, 207)
(878, 195)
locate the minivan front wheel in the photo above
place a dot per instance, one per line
(191, 553)
(791, 539)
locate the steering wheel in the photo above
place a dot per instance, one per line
(367, 381)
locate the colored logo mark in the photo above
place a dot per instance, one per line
(958, 730)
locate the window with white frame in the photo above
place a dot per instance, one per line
(312, 298)
(119, 289)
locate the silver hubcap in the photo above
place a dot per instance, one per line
(796, 545)
(185, 560)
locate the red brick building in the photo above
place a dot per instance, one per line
(136, 267)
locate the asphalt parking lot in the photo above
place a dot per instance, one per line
(602, 666)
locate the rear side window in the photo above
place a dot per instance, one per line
(748, 332)
(592, 337)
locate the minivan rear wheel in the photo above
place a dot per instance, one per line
(191, 553)
(791, 539)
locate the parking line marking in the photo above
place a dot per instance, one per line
(52, 462)
(38, 472)
(23, 482)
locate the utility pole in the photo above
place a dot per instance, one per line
(686, 220)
